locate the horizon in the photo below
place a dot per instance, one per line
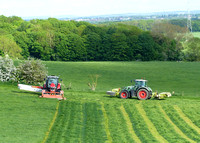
(87, 8)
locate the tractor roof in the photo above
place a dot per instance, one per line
(52, 76)
(140, 80)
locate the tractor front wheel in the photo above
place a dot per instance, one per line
(143, 94)
(124, 94)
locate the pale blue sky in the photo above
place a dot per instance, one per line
(26, 8)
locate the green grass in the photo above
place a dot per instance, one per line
(196, 34)
(23, 116)
(180, 77)
(88, 116)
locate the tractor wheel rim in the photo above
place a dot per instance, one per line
(142, 94)
(123, 94)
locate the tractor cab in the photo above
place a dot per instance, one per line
(52, 83)
(140, 83)
(52, 80)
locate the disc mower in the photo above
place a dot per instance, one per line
(50, 89)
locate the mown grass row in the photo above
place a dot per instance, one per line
(78, 122)
(163, 126)
(138, 124)
(191, 111)
(122, 121)
(186, 119)
(190, 132)
(117, 124)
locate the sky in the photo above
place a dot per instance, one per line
(52, 8)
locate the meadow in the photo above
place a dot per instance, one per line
(93, 116)
(196, 34)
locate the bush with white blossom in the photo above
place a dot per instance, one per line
(7, 69)
(31, 71)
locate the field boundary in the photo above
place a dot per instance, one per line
(52, 122)
(129, 125)
(106, 123)
(186, 119)
(174, 126)
(149, 124)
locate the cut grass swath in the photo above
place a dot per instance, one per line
(93, 127)
(181, 124)
(186, 119)
(117, 124)
(52, 122)
(162, 125)
(149, 124)
(192, 112)
(174, 126)
(106, 123)
(79, 122)
(129, 125)
(138, 124)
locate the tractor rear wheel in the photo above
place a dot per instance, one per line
(143, 94)
(124, 94)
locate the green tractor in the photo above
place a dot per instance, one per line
(139, 90)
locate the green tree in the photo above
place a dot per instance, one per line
(61, 47)
(9, 46)
(149, 49)
(119, 47)
(192, 50)
(23, 41)
(76, 47)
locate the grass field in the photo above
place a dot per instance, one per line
(23, 116)
(88, 116)
(196, 34)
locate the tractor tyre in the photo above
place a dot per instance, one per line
(142, 94)
(124, 94)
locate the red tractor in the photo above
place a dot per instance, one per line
(52, 88)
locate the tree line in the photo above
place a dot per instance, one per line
(59, 40)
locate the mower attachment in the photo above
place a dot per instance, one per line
(52, 94)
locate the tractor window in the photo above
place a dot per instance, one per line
(140, 83)
(55, 81)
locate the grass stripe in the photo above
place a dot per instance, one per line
(149, 124)
(186, 119)
(106, 123)
(129, 125)
(52, 122)
(174, 126)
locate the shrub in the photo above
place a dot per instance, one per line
(31, 72)
(93, 81)
(7, 69)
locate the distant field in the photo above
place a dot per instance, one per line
(196, 34)
(88, 116)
